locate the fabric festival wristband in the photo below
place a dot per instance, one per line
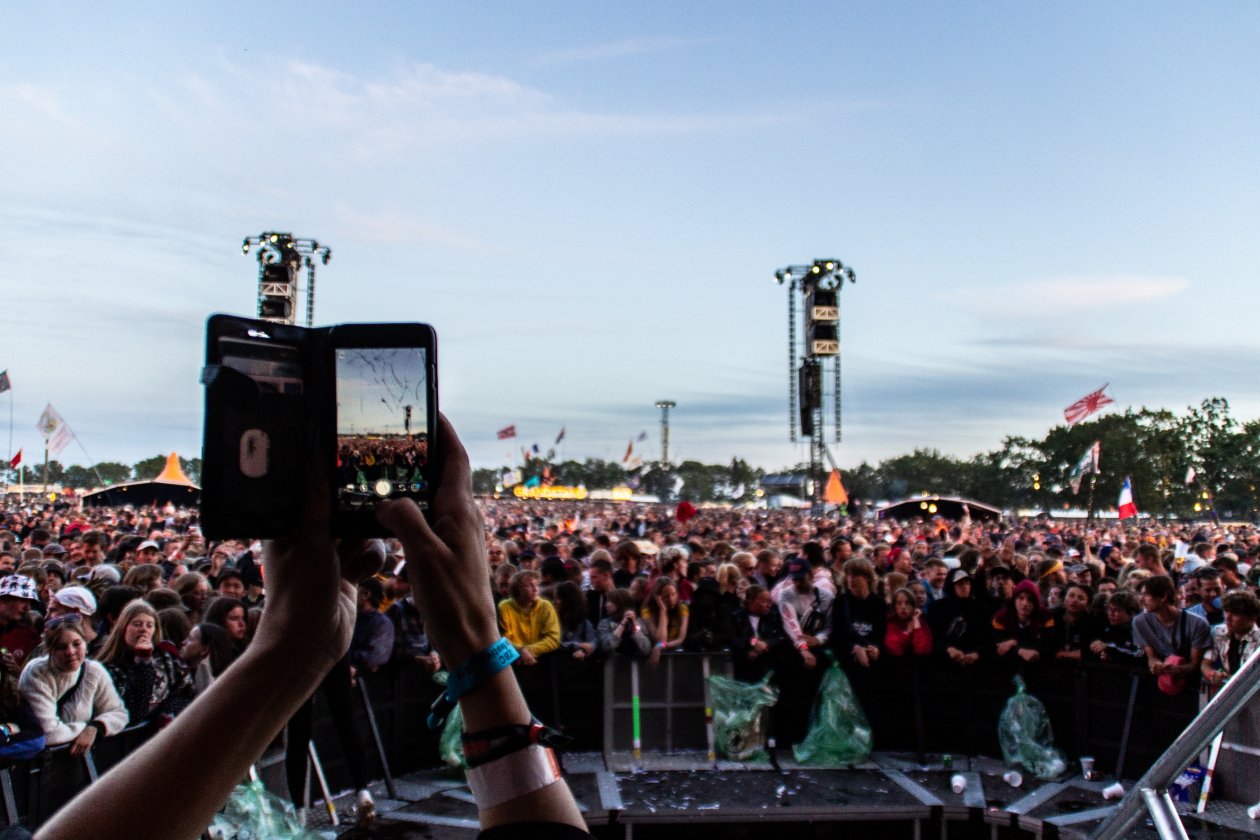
(480, 668)
(512, 776)
(468, 676)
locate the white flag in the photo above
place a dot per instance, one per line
(1190, 476)
(57, 434)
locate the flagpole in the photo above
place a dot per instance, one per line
(1089, 515)
(45, 492)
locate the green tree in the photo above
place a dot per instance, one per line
(115, 473)
(149, 468)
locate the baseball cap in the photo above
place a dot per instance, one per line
(148, 544)
(798, 569)
(76, 598)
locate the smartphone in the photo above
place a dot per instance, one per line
(385, 419)
(354, 405)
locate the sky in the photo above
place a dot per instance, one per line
(589, 200)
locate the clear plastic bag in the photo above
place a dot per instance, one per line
(839, 734)
(1025, 736)
(252, 813)
(739, 716)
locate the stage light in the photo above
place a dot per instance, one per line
(931, 508)
(275, 237)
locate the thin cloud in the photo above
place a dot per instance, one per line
(1086, 293)
(618, 49)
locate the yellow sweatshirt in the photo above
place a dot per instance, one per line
(537, 630)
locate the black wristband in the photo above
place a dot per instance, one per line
(98, 726)
(488, 744)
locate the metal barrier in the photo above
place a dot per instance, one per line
(1112, 713)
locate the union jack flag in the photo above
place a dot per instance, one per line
(1086, 405)
(506, 432)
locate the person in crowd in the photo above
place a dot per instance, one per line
(502, 583)
(229, 614)
(372, 643)
(72, 697)
(1211, 588)
(18, 637)
(149, 677)
(933, 579)
(230, 584)
(194, 592)
(174, 626)
(961, 624)
(620, 630)
(807, 613)
(411, 642)
(665, 617)
(146, 577)
(1115, 642)
(600, 579)
(529, 622)
(207, 652)
(906, 628)
(577, 634)
(1235, 640)
(1023, 628)
(628, 560)
(709, 614)
(858, 616)
(1075, 627)
(1174, 641)
(758, 638)
(767, 569)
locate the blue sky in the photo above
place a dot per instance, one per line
(589, 200)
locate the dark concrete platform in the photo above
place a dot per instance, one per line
(893, 795)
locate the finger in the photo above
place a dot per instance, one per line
(456, 472)
(360, 558)
(403, 519)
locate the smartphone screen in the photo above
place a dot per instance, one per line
(382, 425)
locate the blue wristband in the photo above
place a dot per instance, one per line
(468, 676)
(480, 668)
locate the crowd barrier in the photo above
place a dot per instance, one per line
(1113, 713)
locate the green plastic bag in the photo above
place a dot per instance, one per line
(450, 747)
(252, 813)
(738, 716)
(839, 734)
(1025, 736)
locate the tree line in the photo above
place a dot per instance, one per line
(106, 473)
(1154, 448)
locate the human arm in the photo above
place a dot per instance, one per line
(448, 552)
(37, 689)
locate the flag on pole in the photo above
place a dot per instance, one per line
(15, 460)
(1087, 464)
(535, 449)
(57, 434)
(506, 432)
(1190, 476)
(1126, 507)
(642, 436)
(5, 383)
(835, 494)
(560, 436)
(629, 452)
(1086, 406)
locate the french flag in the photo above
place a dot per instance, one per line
(1126, 506)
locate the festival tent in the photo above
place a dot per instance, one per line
(171, 486)
(949, 507)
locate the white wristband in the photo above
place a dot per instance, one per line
(513, 776)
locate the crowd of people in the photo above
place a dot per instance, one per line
(112, 618)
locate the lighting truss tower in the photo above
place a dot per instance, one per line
(665, 406)
(280, 259)
(819, 286)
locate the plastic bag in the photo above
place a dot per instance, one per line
(839, 734)
(1025, 736)
(738, 716)
(252, 813)
(450, 747)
